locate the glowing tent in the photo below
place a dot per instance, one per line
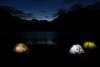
(76, 49)
(21, 48)
(90, 45)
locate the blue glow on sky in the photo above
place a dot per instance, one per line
(42, 8)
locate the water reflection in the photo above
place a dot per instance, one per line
(49, 42)
(41, 37)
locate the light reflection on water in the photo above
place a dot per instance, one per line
(41, 37)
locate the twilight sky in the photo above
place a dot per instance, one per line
(44, 9)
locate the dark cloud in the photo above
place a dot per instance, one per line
(42, 8)
(46, 16)
(15, 12)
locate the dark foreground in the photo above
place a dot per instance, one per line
(47, 55)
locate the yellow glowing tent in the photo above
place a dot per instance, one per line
(90, 45)
(21, 48)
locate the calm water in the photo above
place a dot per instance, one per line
(38, 37)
